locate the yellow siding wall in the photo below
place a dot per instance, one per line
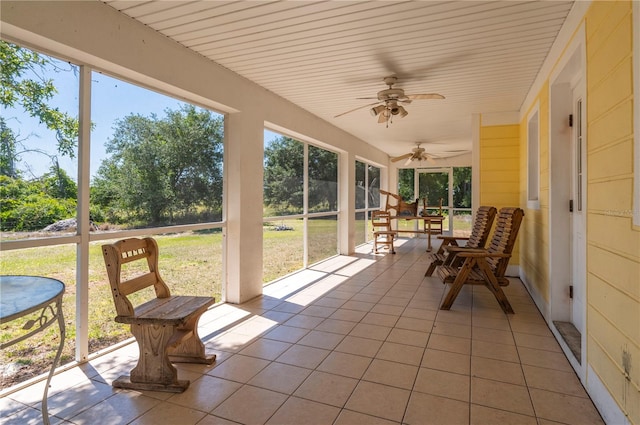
(500, 169)
(613, 247)
(534, 236)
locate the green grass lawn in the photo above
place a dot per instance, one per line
(190, 263)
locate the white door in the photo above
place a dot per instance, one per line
(579, 215)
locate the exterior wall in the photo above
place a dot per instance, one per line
(500, 169)
(534, 240)
(613, 246)
(612, 371)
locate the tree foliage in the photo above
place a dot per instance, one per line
(162, 169)
(284, 177)
(23, 84)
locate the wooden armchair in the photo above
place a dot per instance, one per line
(382, 232)
(479, 235)
(165, 328)
(485, 266)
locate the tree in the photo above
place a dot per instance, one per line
(162, 168)
(284, 176)
(23, 84)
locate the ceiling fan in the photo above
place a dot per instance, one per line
(419, 154)
(390, 102)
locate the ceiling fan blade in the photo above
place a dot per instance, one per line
(355, 109)
(401, 157)
(449, 154)
(425, 96)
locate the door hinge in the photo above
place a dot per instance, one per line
(570, 120)
(571, 291)
(570, 205)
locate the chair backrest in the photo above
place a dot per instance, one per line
(504, 238)
(127, 251)
(481, 227)
(381, 219)
(400, 207)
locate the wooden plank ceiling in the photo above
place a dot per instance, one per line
(323, 55)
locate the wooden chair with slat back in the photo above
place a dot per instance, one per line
(485, 266)
(382, 232)
(479, 234)
(165, 328)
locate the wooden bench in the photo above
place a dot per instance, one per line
(165, 328)
(485, 266)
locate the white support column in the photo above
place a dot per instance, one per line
(347, 202)
(244, 153)
(83, 219)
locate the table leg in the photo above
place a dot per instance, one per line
(45, 410)
(428, 235)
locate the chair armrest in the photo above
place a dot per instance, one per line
(481, 253)
(453, 238)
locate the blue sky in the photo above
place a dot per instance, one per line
(111, 99)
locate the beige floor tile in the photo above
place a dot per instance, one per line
(394, 301)
(347, 417)
(500, 323)
(366, 330)
(455, 317)
(501, 395)
(329, 302)
(239, 368)
(554, 380)
(318, 311)
(358, 305)
(320, 339)
(359, 346)
(286, 334)
(543, 358)
(230, 341)
(443, 384)
(495, 351)
(427, 409)
(277, 316)
(296, 411)
(548, 343)
(121, 408)
(169, 413)
(420, 313)
(450, 343)
(564, 408)
(451, 329)
(409, 337)
(413, 324)
(77, 399)
(348, 315)
(537, 327)
(29, 416)
(264, 348)
(327, 388)
(447, 361)
(280, 377)
(391, 373)
(380, 319)
(379, 400)
(495, 336)
(342, 327)
(344, 364)
(393, 310)
(400, 353)
(250, 405)
(304, 322)
(206, 393)
(369, 298)
(498, 370)
(302, 356)
(482, 415)
(215, 420)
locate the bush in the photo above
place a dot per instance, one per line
(37, 212)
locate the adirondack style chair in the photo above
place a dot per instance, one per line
(485, 266)
(382, 233)
(479, 235)
(165, 327)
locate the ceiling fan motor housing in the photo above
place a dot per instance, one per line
(390, 94)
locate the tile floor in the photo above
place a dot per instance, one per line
(354, 340)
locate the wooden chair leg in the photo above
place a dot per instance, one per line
(189, 349)
(432, 268)
(491, 282)
(154, 370)
(457, 284)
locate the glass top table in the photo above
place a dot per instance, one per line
(23, 295)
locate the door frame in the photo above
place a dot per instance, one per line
(449, 207)
(570, 71)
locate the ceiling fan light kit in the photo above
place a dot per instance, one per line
(389, 100)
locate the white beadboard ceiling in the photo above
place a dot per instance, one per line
(322, 55)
